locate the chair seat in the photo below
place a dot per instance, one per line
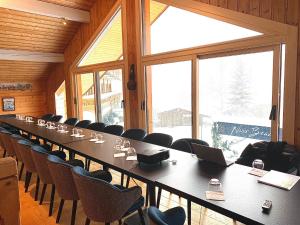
(137, 205)
(75, 162)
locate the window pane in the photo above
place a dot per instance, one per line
(87, 96)
(169, 99)
(173, 28)
(111, 92)
(235, 100)
(60, 101)
(108, 46)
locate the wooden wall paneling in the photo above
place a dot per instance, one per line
(278, 10)
(29, 102)
(244, 6)
(204, 1)
(292, 12)
(255, 7)
(213, 2)
(266, 9)
(77, 4)
(232, 4)
(222, 3)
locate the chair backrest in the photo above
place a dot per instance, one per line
(83, 123)
(135, 134)
(40, 155)
(56, 118)
(14, 141)
(101, 201)
(98, 126)
(71, 121)
(185, 144)
(62, 177)
(114, 129)
(173, 216)
(47, 116)
(24, 147)
(5, 140)
(161, 139)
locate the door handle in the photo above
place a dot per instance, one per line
(273, 113)
(143, 105)
(122, 104)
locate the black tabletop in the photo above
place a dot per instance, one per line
(244, 196)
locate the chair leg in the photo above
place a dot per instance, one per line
(122, 179)
(61, 205)
(141, 214)
(87, 221)
(37, 188)
(52, 200)
(158, 197)
(21, 171)
(87, 164)
(189, 212)
(107, 223)
(74, 208)
(127, 181)
(147, 196)
(4, 153)
(27, 180)
(43, 193)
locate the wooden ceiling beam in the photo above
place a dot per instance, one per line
(17, 55)
(47, 9)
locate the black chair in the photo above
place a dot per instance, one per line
(174, 216)
(135, 134)
(103, 202)
(71, 121)
(161, 139)
(83, 123)
(47, 116)
(185, 144)
(98, 126)
(114, 129)
(60, 171)
(56, 118)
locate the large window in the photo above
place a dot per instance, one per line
(169, 88)
(60, 101)
(108, 46)
(169, 28)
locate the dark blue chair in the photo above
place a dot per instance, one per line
(135, 134)
(56, 118)
(114, 129)
(174, 216)
(104, 202)
(47, 116)
(185, 144)
(71, 121)
(83, 123)
(98, 126)
(161, 139)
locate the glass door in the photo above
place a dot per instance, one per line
(235, 100)
(109, 85)
(86, 96)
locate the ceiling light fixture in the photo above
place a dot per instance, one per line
(64, 21)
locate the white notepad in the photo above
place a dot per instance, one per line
(278, 179)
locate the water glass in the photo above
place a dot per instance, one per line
(74, 132)
(119, 144)
(79, 132)
(258, 164)
(94, 136)
(126, 145)
(99, 137)
(214, 185)
(48, 124)
(131, 152)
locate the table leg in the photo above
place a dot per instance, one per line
(152, 194)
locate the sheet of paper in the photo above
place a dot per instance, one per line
(117, 155)
(257, 172)
(131, 158)
(217, 196)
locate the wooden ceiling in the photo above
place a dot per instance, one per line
(36, 33)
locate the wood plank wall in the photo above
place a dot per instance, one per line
(284, 11)
(29, 102)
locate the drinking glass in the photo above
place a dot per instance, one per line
(118, 144)
(94, 136)
(48, 124)
(258, 164)
(214, 185)
(126, 145)
(99, 138)
(131, 152)
(79, 132)
(74, 131)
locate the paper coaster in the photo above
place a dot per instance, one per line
(131, 158)
(217, 196)
(51, 128)
(257, 172)
(117, 155)
(99, 142)
(94, 139)
(40, 125)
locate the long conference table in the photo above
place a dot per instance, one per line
(188, 177)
